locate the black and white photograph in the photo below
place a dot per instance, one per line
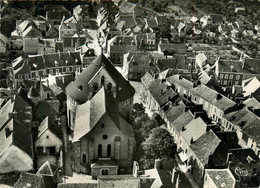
(129, 93)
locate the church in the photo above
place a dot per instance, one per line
(100, 73)
(99, 102)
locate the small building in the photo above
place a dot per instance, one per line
(48, 143)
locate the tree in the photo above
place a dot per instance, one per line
(159, 144)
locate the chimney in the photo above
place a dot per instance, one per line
(59, 54)
(173, 174)
(157, 164)
(232, 68)
(135, 169)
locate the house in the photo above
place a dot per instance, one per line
(199, 153)
(146, 41)
(4, 43)
(99, 73)
(172, 48)
(52, 32)
(15, 136)
(120, 45)
(135, 65)
(50, 171)
(250, 86)
(164, 61)
(81, 15)
(102, 140)
(48, 143)
(132, 8)
(246, 125)
(47, 46)
(31, 35)
(37, 66)
(189, 134)
(215, 178)
(55, 13)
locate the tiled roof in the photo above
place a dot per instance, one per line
(221, 177)
(166, 96)
(205, 146)
(254, 64)
(126, 90)
(252, 102)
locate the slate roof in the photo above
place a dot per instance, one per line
(210, 95)
(252, 102)
(205, 146)
(92, 111)
(3, 38)
(33, 180)
(253, 63)
(221, 177)
(38, 62)
(20, 137)
(48, 125)
(125, 6)
(48, 169)
(182, 121)
(175, 79)
(225, 66)
(241, 154)
(175, 111)
(126, 90)
(147, 79)
(125, 181)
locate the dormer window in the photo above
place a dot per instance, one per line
(80, 88)
(56, 63)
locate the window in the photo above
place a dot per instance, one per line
(104, 136)
(52, 150)
(220, 76)
(104, 171)
(39, 150)
(108, 150)
(57, 70)
(84, 158)
(237, 77)
(225, 82)
(102, 125)
(102, 80)
(109, 87)
(99, 150)
(67, 69)
(226, 76)
(236, 82)
(231, 76)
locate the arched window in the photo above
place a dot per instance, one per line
(109, 87)
(108, 150)
(102, 80)
(99, 150)
(84, 158)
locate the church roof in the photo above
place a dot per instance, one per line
(124, 89)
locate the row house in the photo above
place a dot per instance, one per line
(120, 45)
(214, 103)
(246, 124)
(135, 65)
(39, 66)
(232, 73)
